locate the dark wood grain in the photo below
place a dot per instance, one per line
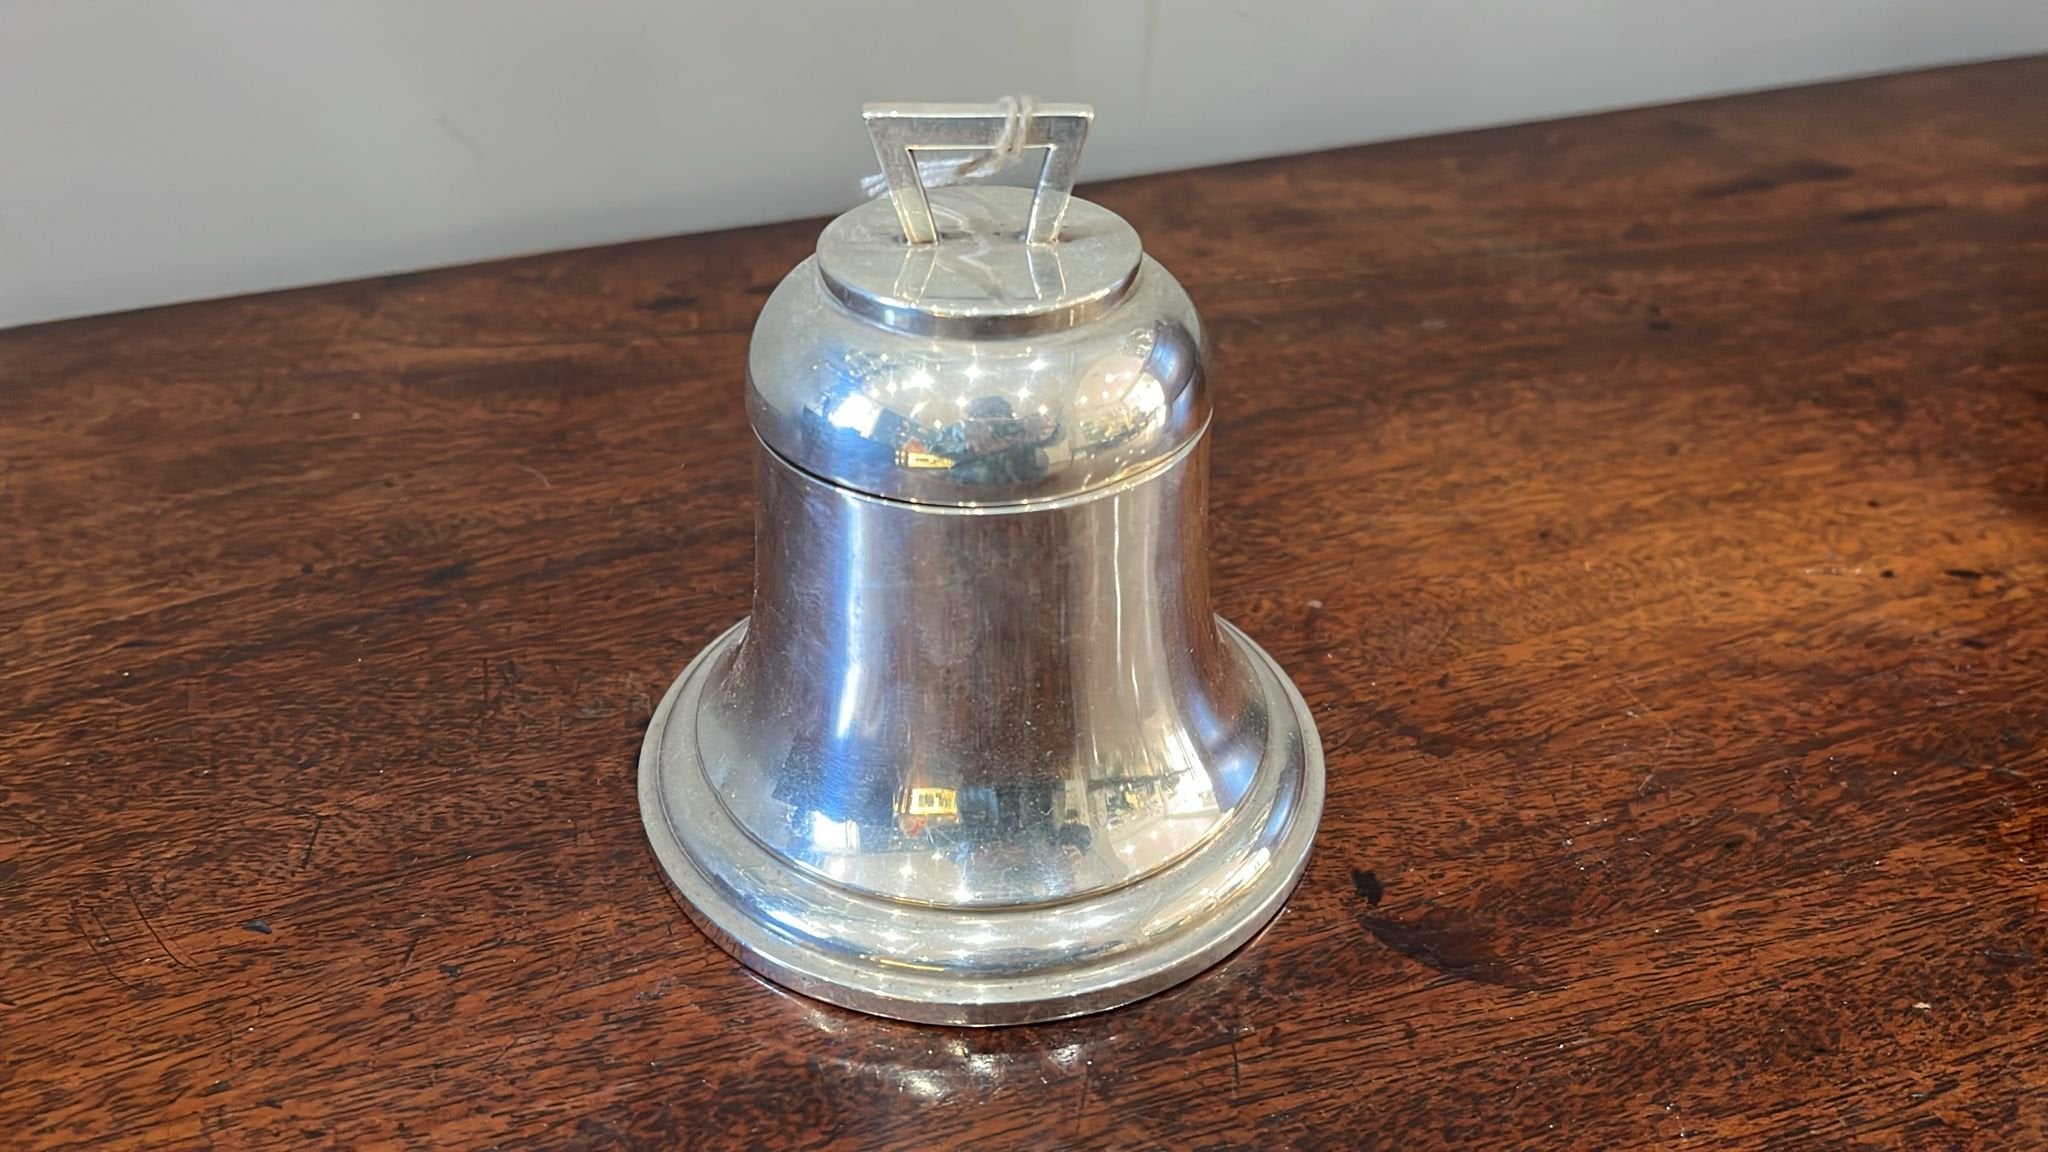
(1653, 507)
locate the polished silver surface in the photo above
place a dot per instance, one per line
(956, 421)
(900, 131)
(1019, 810)
(979, 282)
(982, 753)
(997, 708)
(977, 967)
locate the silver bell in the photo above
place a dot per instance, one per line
(982, 754)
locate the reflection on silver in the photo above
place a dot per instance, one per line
(985, 372)
(981, 754)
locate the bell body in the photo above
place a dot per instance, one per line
(982, 753)
(983, 709)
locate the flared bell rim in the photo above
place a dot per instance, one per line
(1007, 965)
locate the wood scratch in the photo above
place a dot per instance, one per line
(537, 474)
(666, 347)
(79, 924)
(568, 970)
(1670, 733)
(27, 821)
(154, 934)
(306, 859)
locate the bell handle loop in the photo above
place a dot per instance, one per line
(900, 131)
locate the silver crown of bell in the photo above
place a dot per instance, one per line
(982, 753)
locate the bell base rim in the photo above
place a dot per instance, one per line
(727, 881)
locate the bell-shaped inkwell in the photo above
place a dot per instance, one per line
(982, 753)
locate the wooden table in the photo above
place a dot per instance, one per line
(1653, 508)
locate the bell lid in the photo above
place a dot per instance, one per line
(977, 345)
(978, 261)
(980, 278)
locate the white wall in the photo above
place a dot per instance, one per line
(162, 150)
